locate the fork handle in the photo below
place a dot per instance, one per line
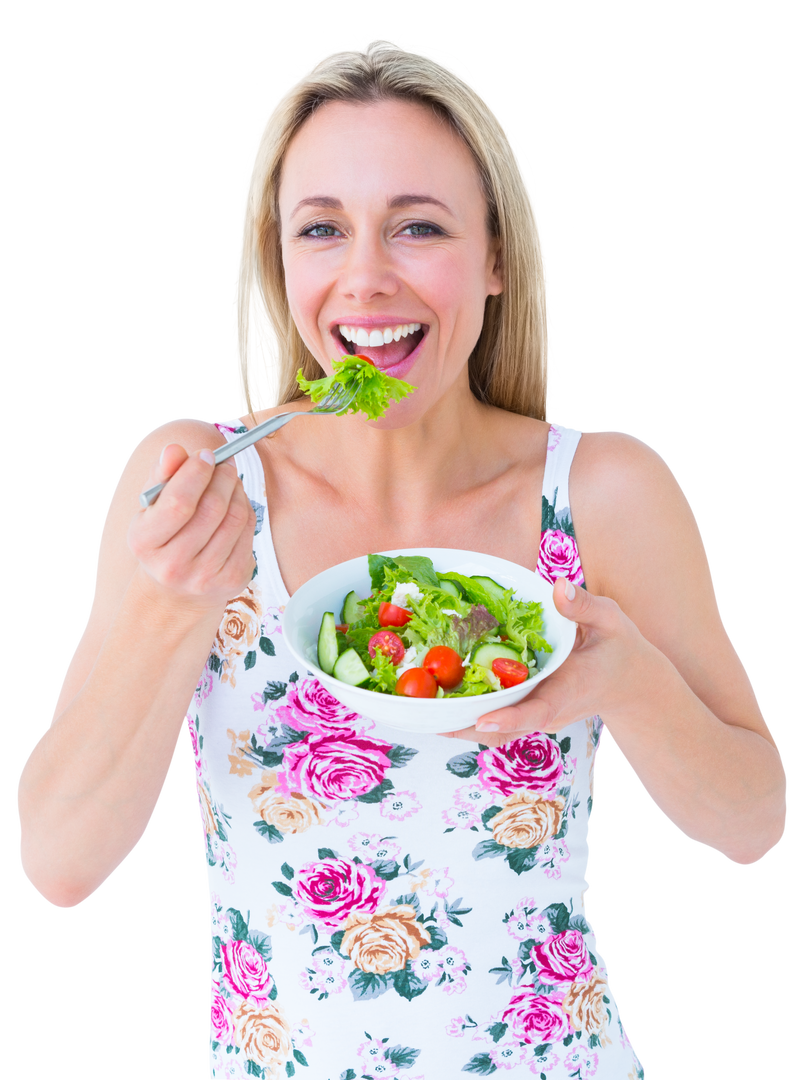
(147, 498)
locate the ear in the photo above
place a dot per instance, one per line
(495, 283)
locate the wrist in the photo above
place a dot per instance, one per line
(170, 607)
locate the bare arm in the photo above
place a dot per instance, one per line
(164, 577)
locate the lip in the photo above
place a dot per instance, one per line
(398, 370)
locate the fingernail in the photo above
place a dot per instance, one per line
(208, 456)
(569, 590)
(161, 456)
(483, 726)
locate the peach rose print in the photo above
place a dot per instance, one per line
(263, 1034)
(526, 820)
(238, 630)
(385, 940)
(293, 813)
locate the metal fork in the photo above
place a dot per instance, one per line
(339, 398)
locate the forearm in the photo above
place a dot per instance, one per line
(90, 785)
(721, 783)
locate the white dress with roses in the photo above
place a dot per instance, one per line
(383, 906)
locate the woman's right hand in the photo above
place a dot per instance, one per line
(195, 542)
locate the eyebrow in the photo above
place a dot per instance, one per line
(399, 202)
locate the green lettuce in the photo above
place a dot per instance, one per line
(383, 675)
(524, 627)
(375, 389)
(475, 616)
(476, 680)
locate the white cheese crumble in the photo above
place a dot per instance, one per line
(408, 660)
(403, 591)
(449, 611)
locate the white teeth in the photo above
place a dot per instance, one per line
(373, 338)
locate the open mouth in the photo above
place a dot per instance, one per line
(386, 347)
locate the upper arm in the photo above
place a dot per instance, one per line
(640, 545)
(116, 564)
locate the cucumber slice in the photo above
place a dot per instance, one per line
(352, 609)
(485, 655)
(327, 643)
(349, 668)
(449, 586)
(492, 587)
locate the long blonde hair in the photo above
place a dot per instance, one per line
(507, 367)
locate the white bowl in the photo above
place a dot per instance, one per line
(326, 592)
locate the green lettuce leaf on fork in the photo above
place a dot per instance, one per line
(375, 389)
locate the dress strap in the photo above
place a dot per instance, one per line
(558, 550)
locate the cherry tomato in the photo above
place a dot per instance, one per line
(386, 641)
(391, 615)
(342, 627)
(444, 665)
(416, 682)
(361, 357)
(509, 672)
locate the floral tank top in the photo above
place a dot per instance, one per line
(389, 905)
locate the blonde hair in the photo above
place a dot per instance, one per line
(507, 367)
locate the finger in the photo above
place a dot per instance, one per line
(170, 461)
(212, 509)
(180, 498)
(590, 612)
(228, 554)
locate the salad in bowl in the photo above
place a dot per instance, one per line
(427, 639)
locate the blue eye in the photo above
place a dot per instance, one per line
(434, 230)
(324, 231)
(423, 228)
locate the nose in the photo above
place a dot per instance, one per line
(367, 272)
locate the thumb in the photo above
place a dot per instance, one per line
(576, 603)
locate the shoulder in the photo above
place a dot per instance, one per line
(609, 463)
(193, 435)
(630, 514)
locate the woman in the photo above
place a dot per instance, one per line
(385, 907)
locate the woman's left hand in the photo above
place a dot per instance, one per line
(606, 670)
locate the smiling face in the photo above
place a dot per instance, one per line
(385, 245)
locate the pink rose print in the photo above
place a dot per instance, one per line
(222, 1024)
(456, 985)
(335, 765)
(455, 1027)
(558, 557)
(330, 890)
(309, 706)
(536, 1018)
(246, 971)
(562, 958)
(532, 763)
